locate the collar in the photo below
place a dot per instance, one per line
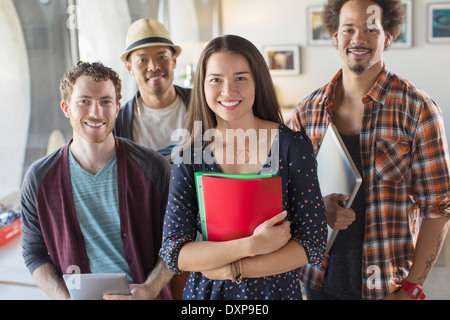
(376, 93)
(382, 85)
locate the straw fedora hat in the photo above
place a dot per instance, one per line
(147, 33)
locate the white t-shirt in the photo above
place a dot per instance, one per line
(153, 128)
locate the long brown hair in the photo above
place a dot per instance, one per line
(266, 105)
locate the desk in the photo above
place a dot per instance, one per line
(16, 283)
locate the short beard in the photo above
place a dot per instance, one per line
(78, 127)
(358, 70)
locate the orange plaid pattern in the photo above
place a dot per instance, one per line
(405, 160)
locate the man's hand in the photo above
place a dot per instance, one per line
(150, 290)
(338, 217)
(398, 295)
(48, 279)
(138, 292)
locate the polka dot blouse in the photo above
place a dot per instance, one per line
(301, 199)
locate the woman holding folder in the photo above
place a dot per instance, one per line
(234, 96)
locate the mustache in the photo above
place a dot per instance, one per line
(94, 120)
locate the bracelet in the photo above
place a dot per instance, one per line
(237, 275)
(233, 272)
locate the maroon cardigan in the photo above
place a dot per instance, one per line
(50, 230)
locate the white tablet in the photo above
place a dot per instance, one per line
(92, 286)
(336, 172)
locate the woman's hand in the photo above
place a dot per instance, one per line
(268, 237)
(271, 236)
(222, 273)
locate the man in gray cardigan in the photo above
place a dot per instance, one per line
(96, 205)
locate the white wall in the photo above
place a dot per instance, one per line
(283, 22)
(102, 29)
(192, 23)
(15, 94)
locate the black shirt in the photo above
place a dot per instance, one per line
(343, 279)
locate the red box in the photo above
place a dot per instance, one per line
(11, 231)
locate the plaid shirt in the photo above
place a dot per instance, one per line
(405, 161)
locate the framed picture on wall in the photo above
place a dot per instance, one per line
(316, 33)
(406, 38)
(283, 60)
(438, 22)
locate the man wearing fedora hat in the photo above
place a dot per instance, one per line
(159, 107)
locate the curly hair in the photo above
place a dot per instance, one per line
(96, 71)
(393, 15)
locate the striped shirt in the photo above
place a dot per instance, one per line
(405, 160)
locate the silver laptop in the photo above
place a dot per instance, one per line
(92, 286)
(336, 172)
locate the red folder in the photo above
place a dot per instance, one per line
(232, 206)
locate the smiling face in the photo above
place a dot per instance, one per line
(360, 38)
(229, 87)
(92, 109)
(153, 69)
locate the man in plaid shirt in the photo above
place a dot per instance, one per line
(391, 237)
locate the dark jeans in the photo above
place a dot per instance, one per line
(312, 294)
